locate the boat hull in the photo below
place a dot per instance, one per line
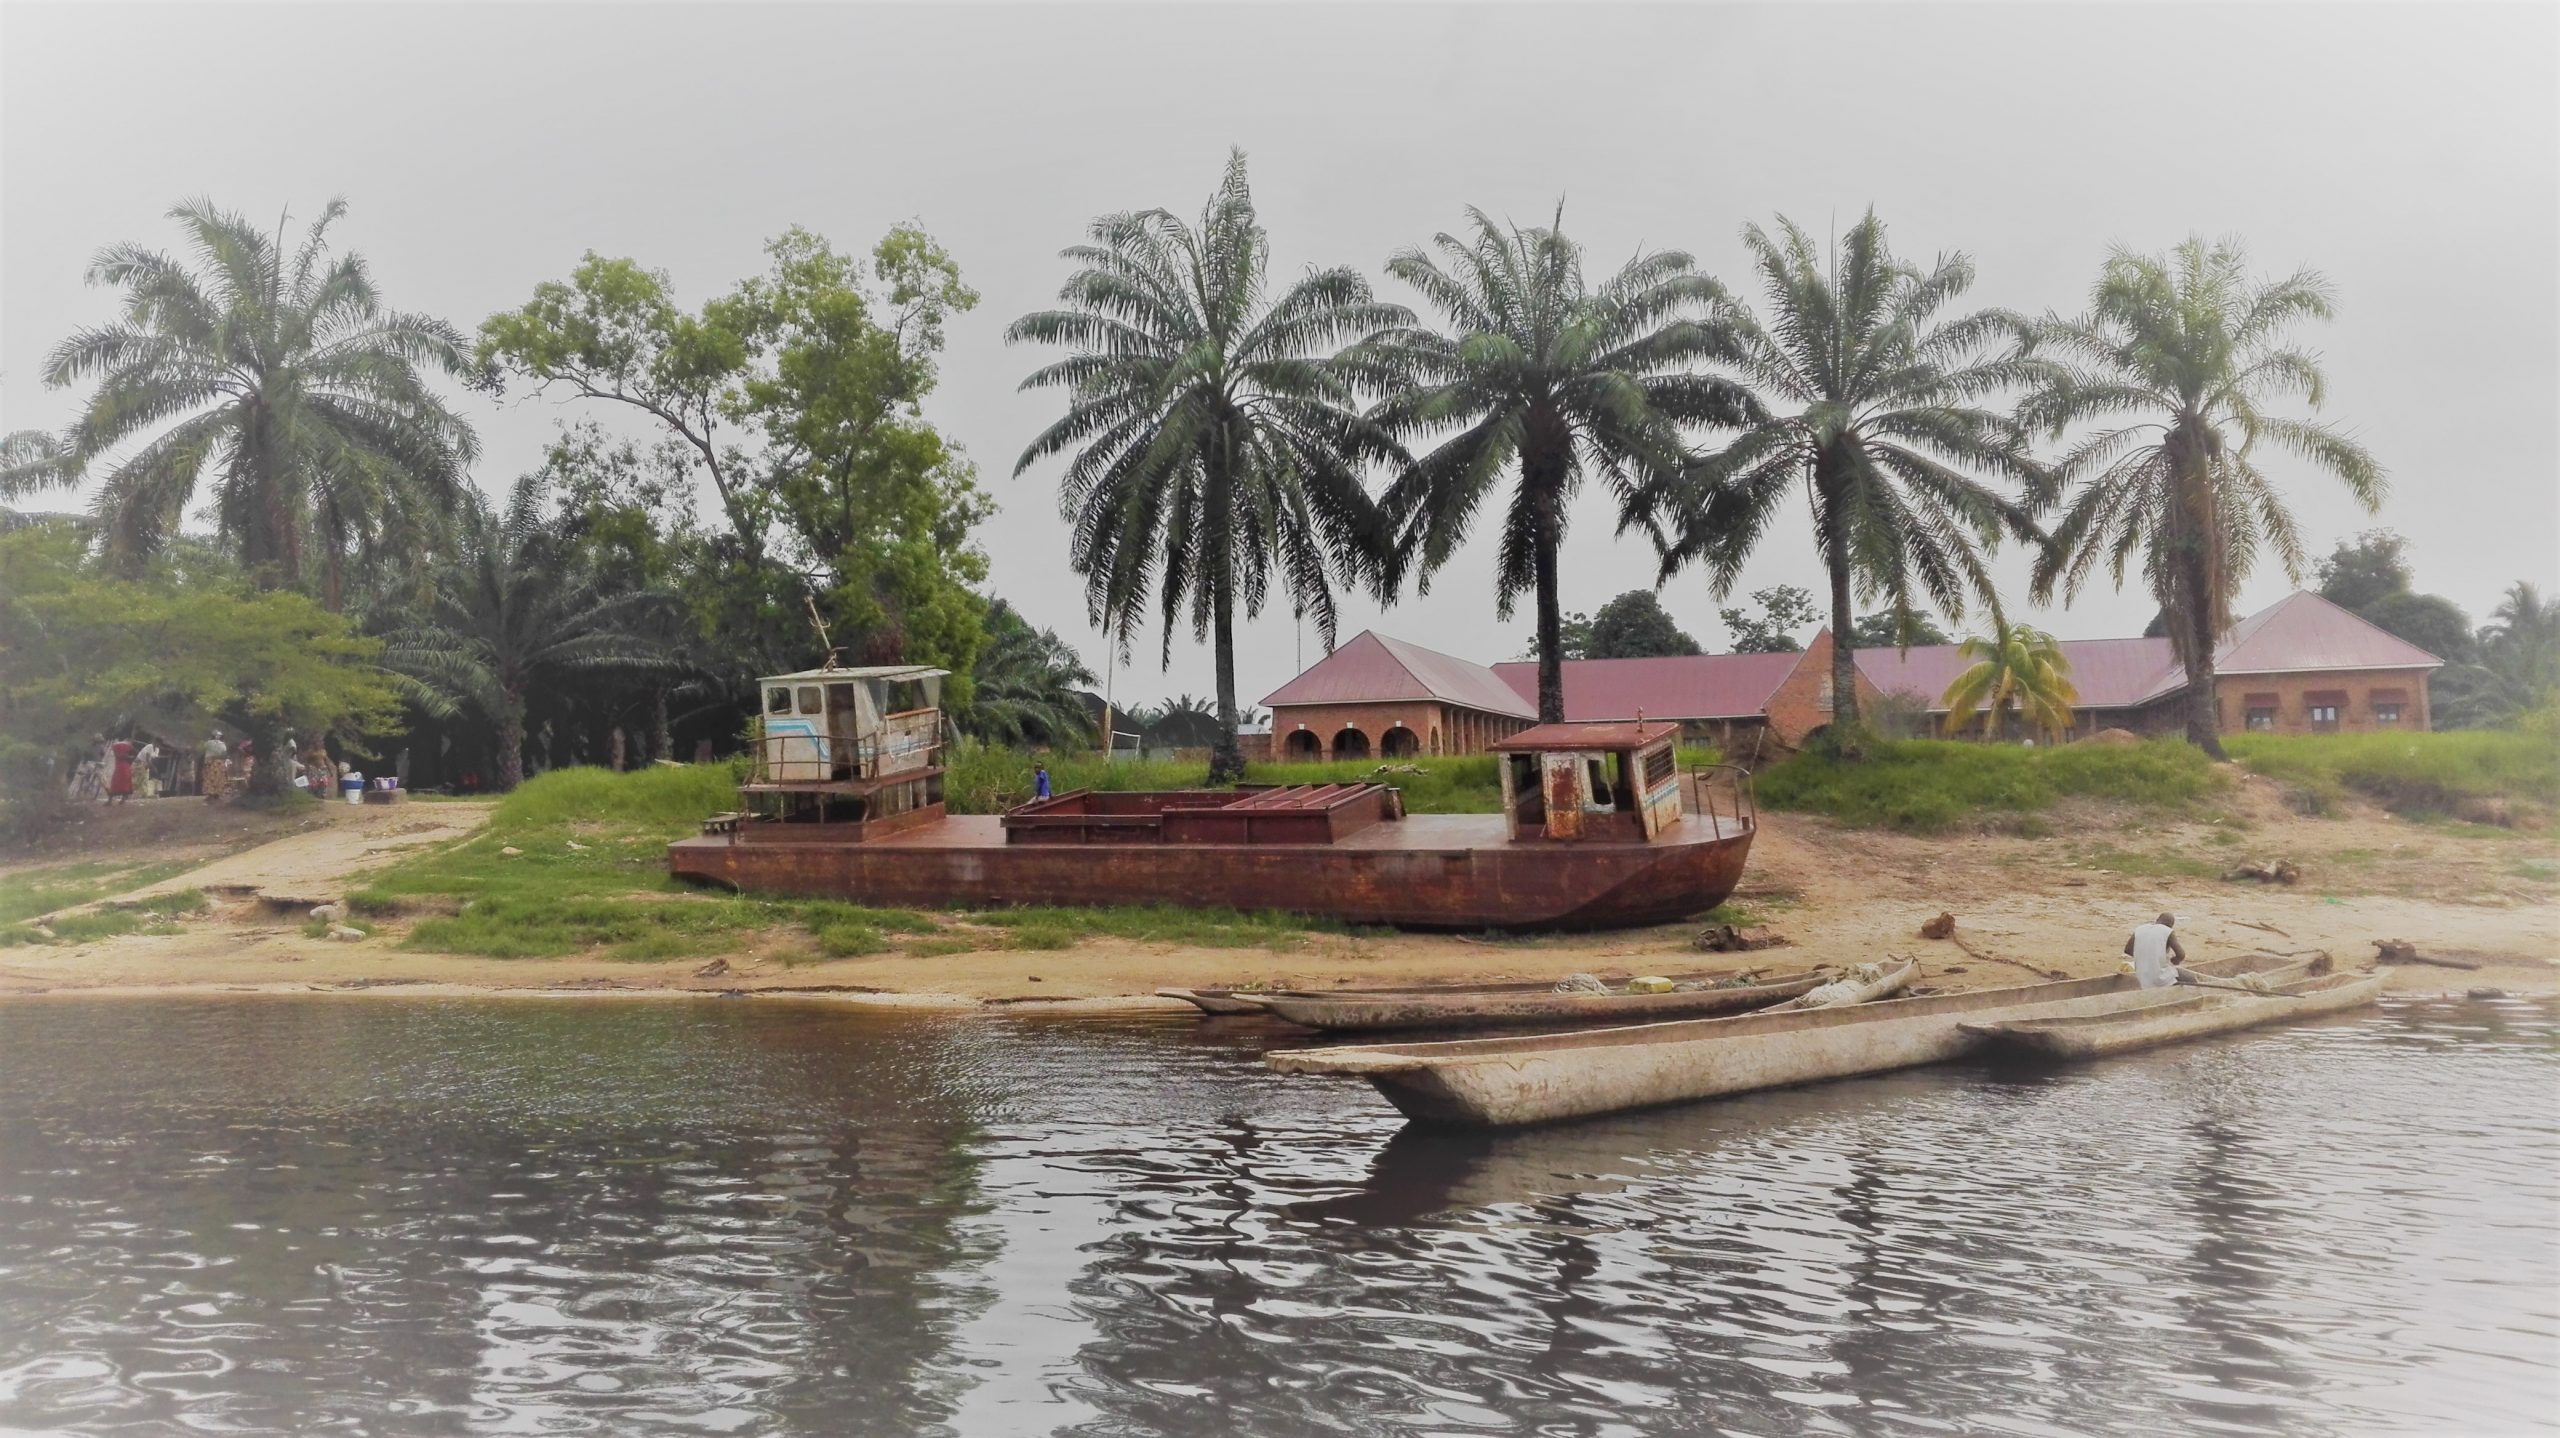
(1428, 871)
(1373, 1012)
(1507, 1082)
(2193, 1015)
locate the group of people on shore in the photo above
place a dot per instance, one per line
(113, 771)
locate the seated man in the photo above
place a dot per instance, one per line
(2156, 953)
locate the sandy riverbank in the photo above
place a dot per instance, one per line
(2026, 908)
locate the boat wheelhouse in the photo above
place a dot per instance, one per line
(1600, 829)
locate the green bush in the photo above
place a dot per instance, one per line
(672, 795)
(2414, 772)
(1927, 786)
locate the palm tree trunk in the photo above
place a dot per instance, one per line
(1844, 655)
(510, 741)
(662, 744)
(1226, 761)
(2204, 712)
(1550, 610)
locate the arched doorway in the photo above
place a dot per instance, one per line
(1351, 744)
(1301, 747)
(1399, 743)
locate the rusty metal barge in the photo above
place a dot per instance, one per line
(1600, 828)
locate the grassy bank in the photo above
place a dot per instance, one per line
(575, 862)
(2444, 773)
(1929, 786)
(29, 894)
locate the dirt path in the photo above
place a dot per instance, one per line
(314, 865)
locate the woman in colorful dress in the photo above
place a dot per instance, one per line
(120, 777)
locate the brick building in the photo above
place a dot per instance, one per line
(2300, 666)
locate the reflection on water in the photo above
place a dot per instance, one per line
(432, 1217)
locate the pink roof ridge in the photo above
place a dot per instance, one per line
(1371, 668)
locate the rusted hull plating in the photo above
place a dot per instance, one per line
(1431, 876)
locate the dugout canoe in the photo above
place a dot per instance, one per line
(2183, 1014)
(1500, 1082)
(1218, 1002)
(1518, 1005)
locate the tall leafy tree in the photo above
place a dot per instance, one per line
(2369, 576)
(515, 612)
(1871, 403)
(1215, 444)
(1784, 609)
(1027, 686)
(2516, 669)
(276, 376)
(2016, 668)
(1885, 629)
(1636, 626)
(797, 395)
(2177, 363)
(1537, 377)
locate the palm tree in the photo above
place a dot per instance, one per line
(2180, 356)
(1025, 686)
(1542, 378)
(2016, 668)
(516, 612)
(1870, 401)
(1215, 443)
(2517, 671)
(282, 378)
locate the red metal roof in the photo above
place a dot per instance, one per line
(1372, 668)
(2304, 631)
(2108, 673)
(1587, 736)
(1694, 686)
(2299, 632)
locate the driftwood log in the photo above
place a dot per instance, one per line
(2401, 951)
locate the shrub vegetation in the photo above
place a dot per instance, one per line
(2412, 773)
(1928, 786)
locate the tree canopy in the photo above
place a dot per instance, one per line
(1871, 403)
(174, 652)
(1217, 446)
(1885, 629)
(1636, 626)
(1539, 377)
(278, 377)
(796, 397)
(2178, 364)
(1784, 609)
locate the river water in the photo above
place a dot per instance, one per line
(390, 1216)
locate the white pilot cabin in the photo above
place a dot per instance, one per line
(850, 747)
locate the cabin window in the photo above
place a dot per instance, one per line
(2324, 716)
(811, 700)
(1657, 769)
(1528, 792)
(2262, 717)
(2324, 707)
(2386, 711)
(777, 700)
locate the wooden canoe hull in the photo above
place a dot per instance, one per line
(1543, 1079)
(1428, 871)
(1459, 1009)
(2191, 1014)
(1222, 1002)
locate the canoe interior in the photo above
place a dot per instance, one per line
(1783, 1020)
(1521, 1008)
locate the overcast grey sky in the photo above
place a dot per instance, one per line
(2412, 153)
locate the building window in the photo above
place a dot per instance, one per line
(2324, 716)
(2262, 718)
(2387, 712)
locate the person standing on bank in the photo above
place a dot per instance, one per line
(120, 776)
(2156, 954)
(1039, 781)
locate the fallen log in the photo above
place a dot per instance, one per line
(2401, 951)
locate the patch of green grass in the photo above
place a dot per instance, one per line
(2225, 837)
(2414, 772)
(155, 915)
(1040, 936)
(2542, 870)
(1928, 786)
(938, 946)
(30, 892)
(846, 941)
(1741, 916)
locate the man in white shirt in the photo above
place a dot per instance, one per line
(2156, 954)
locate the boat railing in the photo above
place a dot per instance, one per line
(1721, 795)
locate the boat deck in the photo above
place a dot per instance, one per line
(1415, 833)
